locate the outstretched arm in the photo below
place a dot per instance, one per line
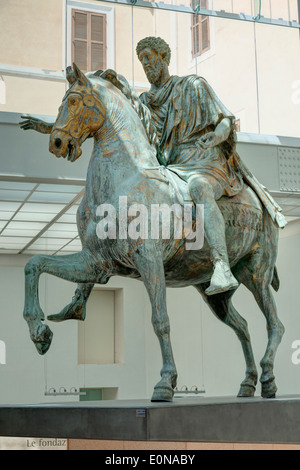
(36, 125)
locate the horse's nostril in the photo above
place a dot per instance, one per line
(57, 142)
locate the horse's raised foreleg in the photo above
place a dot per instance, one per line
(40, 333)
(76, 310)
(151, 269)
(221, 306)
(79, 268)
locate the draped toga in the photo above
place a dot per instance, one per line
(182, 110)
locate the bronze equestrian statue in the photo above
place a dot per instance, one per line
(173, 145)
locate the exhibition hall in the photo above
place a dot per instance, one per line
(149, 227)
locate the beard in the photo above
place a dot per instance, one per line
(154, 74)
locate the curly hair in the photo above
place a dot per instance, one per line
(158, 44)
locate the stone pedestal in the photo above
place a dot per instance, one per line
(185, 424)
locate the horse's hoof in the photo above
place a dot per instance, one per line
(44, 339)
(163, 392)
(42, 347)
(71, 312)
(56, 318)
(268, 389)
(246, 391)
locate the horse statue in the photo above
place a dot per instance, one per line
(124, 164)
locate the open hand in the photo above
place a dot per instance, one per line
(35, 124)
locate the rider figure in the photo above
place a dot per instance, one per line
(197, 140)
(197, 137)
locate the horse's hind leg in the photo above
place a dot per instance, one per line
(221, 306)
(275, 329)
(260, 285)
(76, 310)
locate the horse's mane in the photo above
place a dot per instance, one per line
(143, 112)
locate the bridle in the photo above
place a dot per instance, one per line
(90, 101)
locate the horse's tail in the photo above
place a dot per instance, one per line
(275, 281)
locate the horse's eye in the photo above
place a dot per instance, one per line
(72, 101)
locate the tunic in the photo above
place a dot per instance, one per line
(182, 110)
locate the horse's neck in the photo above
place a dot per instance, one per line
(123, 131)
(113, 126)
(121, 150)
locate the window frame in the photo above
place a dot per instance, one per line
(198, 24)
(110, 33)
(89, 41)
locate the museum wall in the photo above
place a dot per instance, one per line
(207, 353)
(36, 26)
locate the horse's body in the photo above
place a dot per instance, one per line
(124, 163)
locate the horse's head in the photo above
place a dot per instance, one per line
(80, 115)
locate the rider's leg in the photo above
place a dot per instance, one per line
(206, 190)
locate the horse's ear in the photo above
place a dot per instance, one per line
(80, 77)
(70, 75)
